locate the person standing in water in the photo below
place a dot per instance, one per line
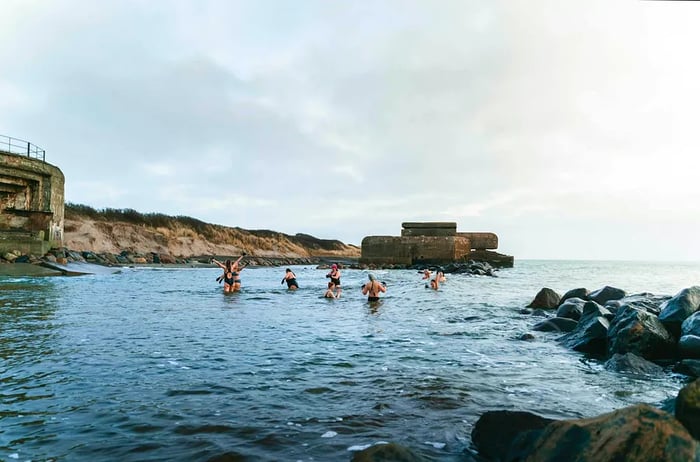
(291, 279)
(231, 276)
(329, 291)
(335, 279)
(426, 274)
(372, 289)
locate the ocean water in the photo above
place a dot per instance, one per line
(159, 364)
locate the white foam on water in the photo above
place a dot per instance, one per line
(13, 456)
(436, 445)
(362, 447)
(329, 434)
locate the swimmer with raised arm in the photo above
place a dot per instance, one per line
(231, 276)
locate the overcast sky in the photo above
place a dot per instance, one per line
(569, 128)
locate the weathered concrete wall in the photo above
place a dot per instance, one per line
(31, 202)
(407, 250)
(481, 241)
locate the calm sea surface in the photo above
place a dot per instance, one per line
(159, 364)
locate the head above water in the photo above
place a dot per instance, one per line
(370, 276)
(334, 266)
(288, 270)
(331, 285)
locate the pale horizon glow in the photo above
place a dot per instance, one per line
(567, 128)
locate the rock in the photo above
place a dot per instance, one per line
(591, 332)
(495, 431)
(166, 259)
(572, 308)
(689, 346)
(546, 299)
(580, 293)
(390, 452)
(607, 293)
(139, 260)
(9, 256)
(22, 259)
(688, 408)
(525, 311)
(689, 367)
(637, 433)
(645, 301)
(691, 326)
(526, 337)
(50, 258)
(639, 332)
(556, 325)
(679, 308)
(62, 261)
(630, 363)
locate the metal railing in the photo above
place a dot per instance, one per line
(21, 147)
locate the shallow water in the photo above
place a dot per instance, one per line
(155, 364)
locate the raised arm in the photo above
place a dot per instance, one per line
(218, 263)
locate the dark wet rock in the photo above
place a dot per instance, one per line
(581, 293)
(525, 311)
(555, 325)
(607, 293)
(691, 326)
(630, 363)
(526, 337)
(591, 308)
(645, 301)
(572, 308)
(689, 346)
(591, 332)
(22, 259)
(546, 299)
(679, 308)
(390, 452)
(689, 367)
(639, 433)
(639, 332)
(688, 408)
(495, 431)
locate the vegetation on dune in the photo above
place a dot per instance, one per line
(165, 227)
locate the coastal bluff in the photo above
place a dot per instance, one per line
(432, 243)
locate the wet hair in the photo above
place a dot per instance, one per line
(288, 270)
(330, 284)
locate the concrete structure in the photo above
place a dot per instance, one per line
(31, 204)
(431, 243)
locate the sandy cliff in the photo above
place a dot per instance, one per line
(114, 231)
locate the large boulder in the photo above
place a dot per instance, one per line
(631, 364)
(636, 331)
(591, 333)
(607, 293)
(390, 452)
(679, 308)
(689, 367)
(644, 301)
(556, 325)
(495, 431)
(689, 346)
(545, 298)
(637, 433)
(581, 293)
(688, 408)
(572, 308)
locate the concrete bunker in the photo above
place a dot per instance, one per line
(432, 243)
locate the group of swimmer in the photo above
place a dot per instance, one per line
(232, 280)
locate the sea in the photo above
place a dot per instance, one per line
(153, 364)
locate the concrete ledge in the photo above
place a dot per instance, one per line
(429, 224)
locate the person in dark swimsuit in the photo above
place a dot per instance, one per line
(372, 289)
(231, 276)
(291, 279)
(335, 278)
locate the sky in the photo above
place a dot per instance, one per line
(567, 128)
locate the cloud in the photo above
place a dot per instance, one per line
(535, 121)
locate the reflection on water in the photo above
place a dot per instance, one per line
(160, 364)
